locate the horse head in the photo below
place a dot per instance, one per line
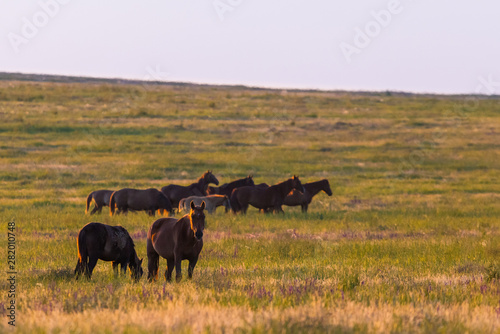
(249, 181)
(326, 187)
(208, 177)
(197, 219)
(136, 271)
(297, 185)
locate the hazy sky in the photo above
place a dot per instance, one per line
(443, 46)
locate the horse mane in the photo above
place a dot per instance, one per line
(240, 182)
(282, 183)
(312, 185)
(280, 186)
(202, 178)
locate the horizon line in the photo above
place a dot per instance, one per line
(63, 78)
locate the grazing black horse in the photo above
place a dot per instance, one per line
(303, 199)
(175, 192)
(227, 188)
(100, 198)
(176, 240)
(148, 200)
(264, 197)
(98, 241)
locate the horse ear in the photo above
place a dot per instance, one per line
(203, 205)
(192, 205)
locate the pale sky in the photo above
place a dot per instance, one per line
(442, 46)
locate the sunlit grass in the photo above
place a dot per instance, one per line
(408, 242)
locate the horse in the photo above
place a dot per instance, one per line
(295, 197)
(98, 241)
(227, 188)
(264, 197)
(100, 198)
(176, 240)
(175, 192)
(211, 201)
(148, 200)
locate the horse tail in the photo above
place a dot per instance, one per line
(81, 265)
(112, 204)
(164, 204)
(89, 200)
(233, 201)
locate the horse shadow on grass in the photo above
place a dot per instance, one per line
(53, 275)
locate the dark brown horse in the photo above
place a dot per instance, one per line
(175, 192)
(100, 198)
(176, 240)
(98, 241)
(262, 197)
(303, 199)
(227, 188)
(148, 200)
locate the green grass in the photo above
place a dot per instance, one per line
(409, 241)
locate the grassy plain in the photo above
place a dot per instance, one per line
(409, 241)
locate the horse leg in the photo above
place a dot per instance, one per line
(95, 209)
(244, 208)
(170, 268)
(178, 272)
(115, 268)
(192, 264)
(304, 207)
(123, 267)
(153, 261)
(80, 268)
(91, 266)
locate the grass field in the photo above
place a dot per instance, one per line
(409, 241)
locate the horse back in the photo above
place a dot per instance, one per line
(136, 199)
(256, 196)
(102, 196)
(118, 244)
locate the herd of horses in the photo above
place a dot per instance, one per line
(178, 239)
